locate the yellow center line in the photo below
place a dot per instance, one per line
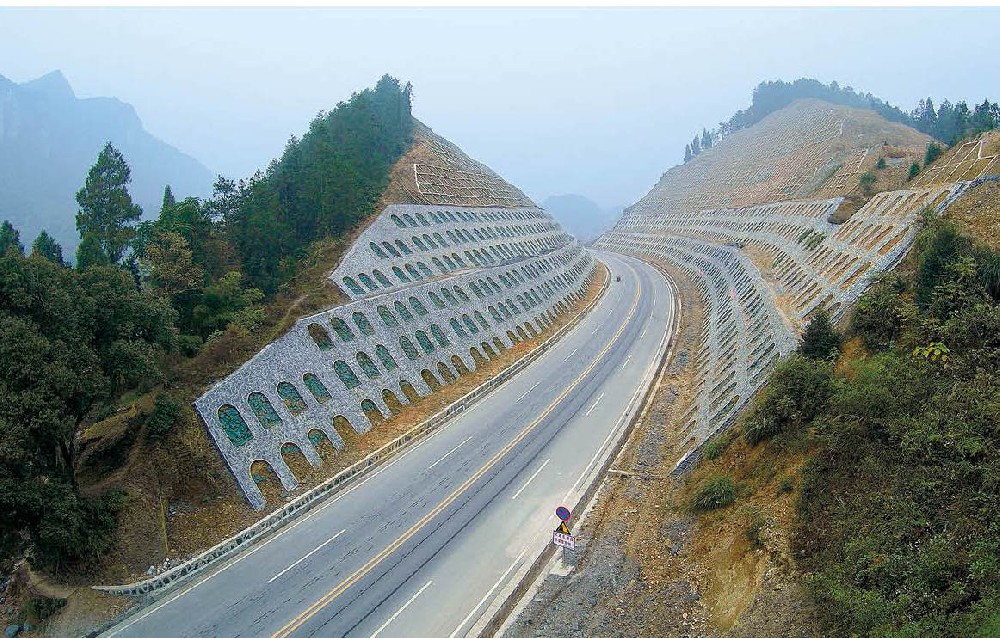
(365, 569)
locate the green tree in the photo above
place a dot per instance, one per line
(914, 171)
(696, 145)
(706, 139)
(223, 302)
(10, 239)
(89, 253)
(820, 340)
(867, 182)
(933, 152)
(46, 247)
(168, 199)
(107, 213)
(169, 262)
(880, 164)
(797, 392)
(882, 314)
(323, 185)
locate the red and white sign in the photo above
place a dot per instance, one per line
(563, 540)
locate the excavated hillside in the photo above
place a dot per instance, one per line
(755, 235)
(435, 171)
(808, 150)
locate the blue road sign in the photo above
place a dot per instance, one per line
(562, 513)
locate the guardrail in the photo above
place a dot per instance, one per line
(308, 500)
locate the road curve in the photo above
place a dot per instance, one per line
(425, 544)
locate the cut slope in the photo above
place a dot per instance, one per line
(435, 171)
(810, 148)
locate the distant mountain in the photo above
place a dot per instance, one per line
(580, 216)
(49, 139)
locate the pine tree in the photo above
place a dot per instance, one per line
(706, 139)
(820, 340)
(107, 213)
(46, 247)
(168, 199)
(695, 145)
(687, 153)
(10, 239)
(89, 253)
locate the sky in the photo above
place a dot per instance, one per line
(598, 102)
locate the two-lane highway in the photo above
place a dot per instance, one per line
(424, 545)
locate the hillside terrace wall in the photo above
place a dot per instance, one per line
(815, 264)
(514, 271)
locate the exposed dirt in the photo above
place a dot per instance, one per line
(978, 211)
(648, 567)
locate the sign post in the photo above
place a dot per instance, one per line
(561, 536)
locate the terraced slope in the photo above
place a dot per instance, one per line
(435, 171)
(809, 149)
(436, 287)
(765, 266)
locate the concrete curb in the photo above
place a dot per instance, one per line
(310, 499)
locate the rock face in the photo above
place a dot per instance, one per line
(49, 139)
(434, 289)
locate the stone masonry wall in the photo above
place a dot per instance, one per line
(433, 289)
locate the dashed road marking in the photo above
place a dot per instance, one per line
(402, 609)
(526, 483)
(595, 405)
(293, 565)
(449, 452)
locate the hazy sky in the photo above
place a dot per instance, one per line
(591, 101)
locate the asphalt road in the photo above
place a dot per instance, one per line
(425, 544)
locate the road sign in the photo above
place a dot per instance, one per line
(563, 540)
(563, 529)
(562, 513)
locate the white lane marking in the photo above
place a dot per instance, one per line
(627, 359)
(482, 600)
(595, 405)
(293, 565)
(518, 493)
(402, 609)
(595, 330)
(570, 354)
(643, 333)
(449, 452)
(600, 450)
(526, 392)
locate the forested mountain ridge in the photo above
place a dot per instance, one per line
(947, 122)
(104, 357)
(48, 139)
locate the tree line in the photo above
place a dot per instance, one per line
(75, 338)
(948, 123)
